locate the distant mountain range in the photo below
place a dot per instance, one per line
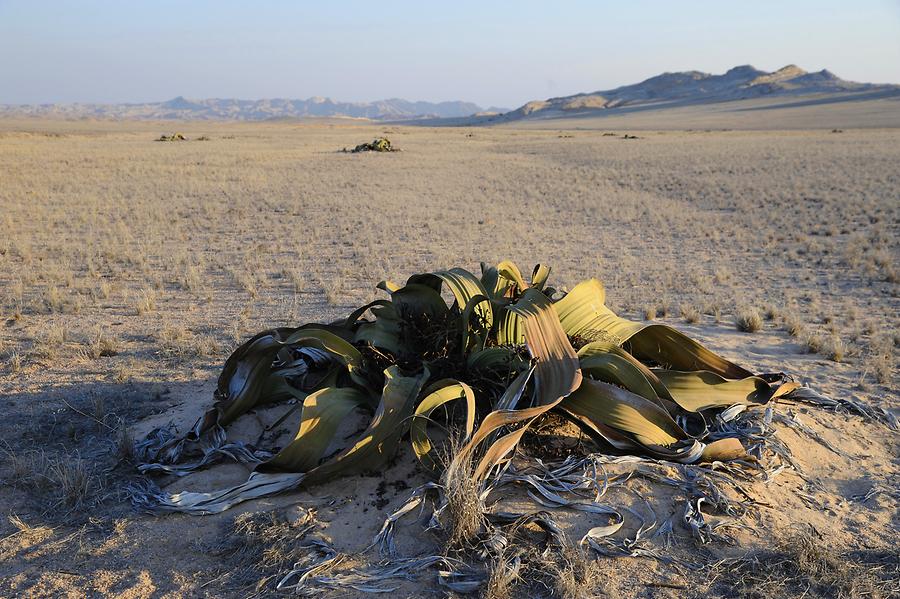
(694, 87)
(668, 89)
(250, 110)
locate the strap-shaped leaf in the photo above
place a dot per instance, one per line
(465, 287)
(323, 411)
(341, 350)
(442, 393)
(609, 363)
(557, 373)
(702, 390)
(384, 332)
(379, 441)
(625, 411)
(416, 300)
(539, 276)
(582, 313)
(511, 330)
(509, 271)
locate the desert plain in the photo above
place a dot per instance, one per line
(130, 269)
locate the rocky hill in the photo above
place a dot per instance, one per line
(695, 87)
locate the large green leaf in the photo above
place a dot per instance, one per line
(583, 314)
(323, 411)
(557, 372)
(702, 390)
(441, 393)
(379, 441)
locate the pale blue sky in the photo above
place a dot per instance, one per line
(501, 53)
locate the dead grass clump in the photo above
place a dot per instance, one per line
(880, 358)
(146, 302)
(836, 349)
(803, 565)
(792, 324)
(748, 320)
(50, 341)
(648, 312)
(53, 299)
(690, 314)
(503, 574)
(124, 444)
(263, 546)
(573, 573)
(125, 370)
(101, 346)
(65, 480)
(465, 506)
(814, 343)
(180, 342)
(15, 362)
(562, 571)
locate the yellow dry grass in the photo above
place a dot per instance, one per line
(130, 269)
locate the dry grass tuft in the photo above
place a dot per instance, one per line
(65, 480)
(181, 343)
(573, 572)
(101, 346)
(813, 343)
(465, 507)
(792, 324)
(836, 349)
(690, 314)
(262, 546)
(748, 320)
(503, 575)
(803, 565)
(146, 302)
(15, 362)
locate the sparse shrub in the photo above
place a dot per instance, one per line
(748, 320)
(648, 312)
